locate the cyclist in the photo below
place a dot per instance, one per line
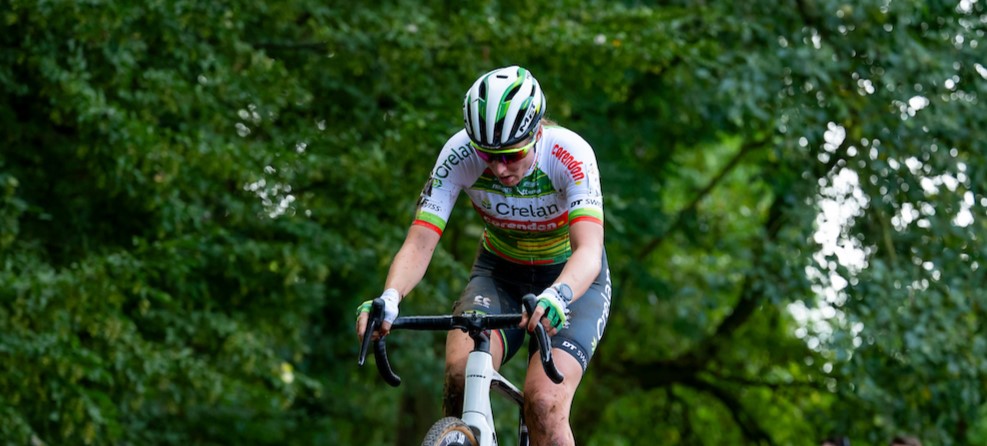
(536, 186)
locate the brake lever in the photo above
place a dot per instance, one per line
(373, 323)
(544, 344)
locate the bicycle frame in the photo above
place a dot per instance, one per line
(481, 376)
(477, 411)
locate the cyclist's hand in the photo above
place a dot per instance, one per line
(552, 311)
(391, 299)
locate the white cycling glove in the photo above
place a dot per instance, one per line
(391, 299)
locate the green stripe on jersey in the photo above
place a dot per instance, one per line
(532, 186)
(584, 212)
(431, 218)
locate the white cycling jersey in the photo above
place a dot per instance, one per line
(527, 223)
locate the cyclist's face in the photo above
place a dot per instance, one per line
(510, 171)
(510, 174)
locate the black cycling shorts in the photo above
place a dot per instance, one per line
(496, 286)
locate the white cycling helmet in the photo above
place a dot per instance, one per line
(503, 107)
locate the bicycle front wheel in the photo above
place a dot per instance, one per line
(450, 431)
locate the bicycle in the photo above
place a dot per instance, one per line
(475, 427)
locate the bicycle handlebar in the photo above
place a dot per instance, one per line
(471, 323)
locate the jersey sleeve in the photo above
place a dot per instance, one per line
(435, 204)
(447, 179)
(581, 176)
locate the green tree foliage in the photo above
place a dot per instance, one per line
(195, 196)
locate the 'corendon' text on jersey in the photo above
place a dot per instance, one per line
(545, 226)
(575, 167)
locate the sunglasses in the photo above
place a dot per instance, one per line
(506, 156)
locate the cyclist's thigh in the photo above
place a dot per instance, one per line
(587, 320)
(458, 347)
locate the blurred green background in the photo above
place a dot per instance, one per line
(195, 196)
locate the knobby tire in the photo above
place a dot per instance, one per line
(450, 431)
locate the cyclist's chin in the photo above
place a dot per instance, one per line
(509, 180)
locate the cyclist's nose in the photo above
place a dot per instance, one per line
(498, 167)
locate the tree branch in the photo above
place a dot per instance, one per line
(747, 148)
(748, 425)
(750, 298)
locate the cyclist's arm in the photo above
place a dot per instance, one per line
(411, 261)
(580, 270)
(584, 265)
(576, 170)
(407, 269)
